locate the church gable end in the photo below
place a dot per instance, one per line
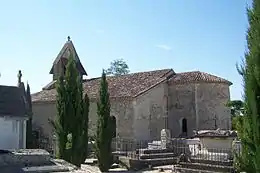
(59, 64)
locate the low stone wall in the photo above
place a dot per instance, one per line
(25, 157)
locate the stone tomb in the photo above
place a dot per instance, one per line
(216, 142)
(31, 160)
(216, 139)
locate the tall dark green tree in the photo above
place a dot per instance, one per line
(71, 122)
(85, 128)
(250, 133)
(60, 122)
(29, 135)
(74, 106)
(103, 136)
(74, 110)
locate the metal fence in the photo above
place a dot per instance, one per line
(129, 147)
(212, 154)
(135, 148)
(40, 141)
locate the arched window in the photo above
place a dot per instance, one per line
(113, 122)
(184, 125)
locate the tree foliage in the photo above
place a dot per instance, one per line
(249, 133)
(29, 135)
(71, 122)
(105, 127)
(117, 67)
(237, 107)
(85, 128)
(74, 108)
(237, 112)
(60, 124)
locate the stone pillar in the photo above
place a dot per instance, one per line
(237, 147)
(196, 107)
(165, 103)
(165, 138)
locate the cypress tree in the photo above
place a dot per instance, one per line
(73, 88)
(103, 136)
(60, 122)
(29, 135)
(77, 110)
(85, 122)
(71, 123)
(250, 133)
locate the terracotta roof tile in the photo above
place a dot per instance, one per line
(197, 76)
(131, 85)
(128, 85)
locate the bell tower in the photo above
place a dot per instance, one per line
(59, 64)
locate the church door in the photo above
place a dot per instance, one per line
(184, 126)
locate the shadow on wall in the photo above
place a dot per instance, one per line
(42, 141)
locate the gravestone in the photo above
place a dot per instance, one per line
(165, 138)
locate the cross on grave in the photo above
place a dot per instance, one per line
(215, 119)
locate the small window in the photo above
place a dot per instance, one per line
(184, 126)
(113, 122)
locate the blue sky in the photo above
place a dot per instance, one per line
(205, 35)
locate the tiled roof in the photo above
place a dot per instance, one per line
(129, 85)
(197, 76)
(12, 101)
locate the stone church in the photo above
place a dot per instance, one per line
(144, 103)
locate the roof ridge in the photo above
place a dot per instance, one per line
(200, 76)
(111, 76)
(120, 86)
(9, 86)
(194, 71)
(201, 72)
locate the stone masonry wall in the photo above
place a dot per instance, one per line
(149, 111)
(42, 112)
(122, 110)
(181, 104)
(211, 100)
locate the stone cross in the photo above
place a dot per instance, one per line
(19, 77)
(215, 119)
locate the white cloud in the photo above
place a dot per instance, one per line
(99, 31)
(164, 47)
